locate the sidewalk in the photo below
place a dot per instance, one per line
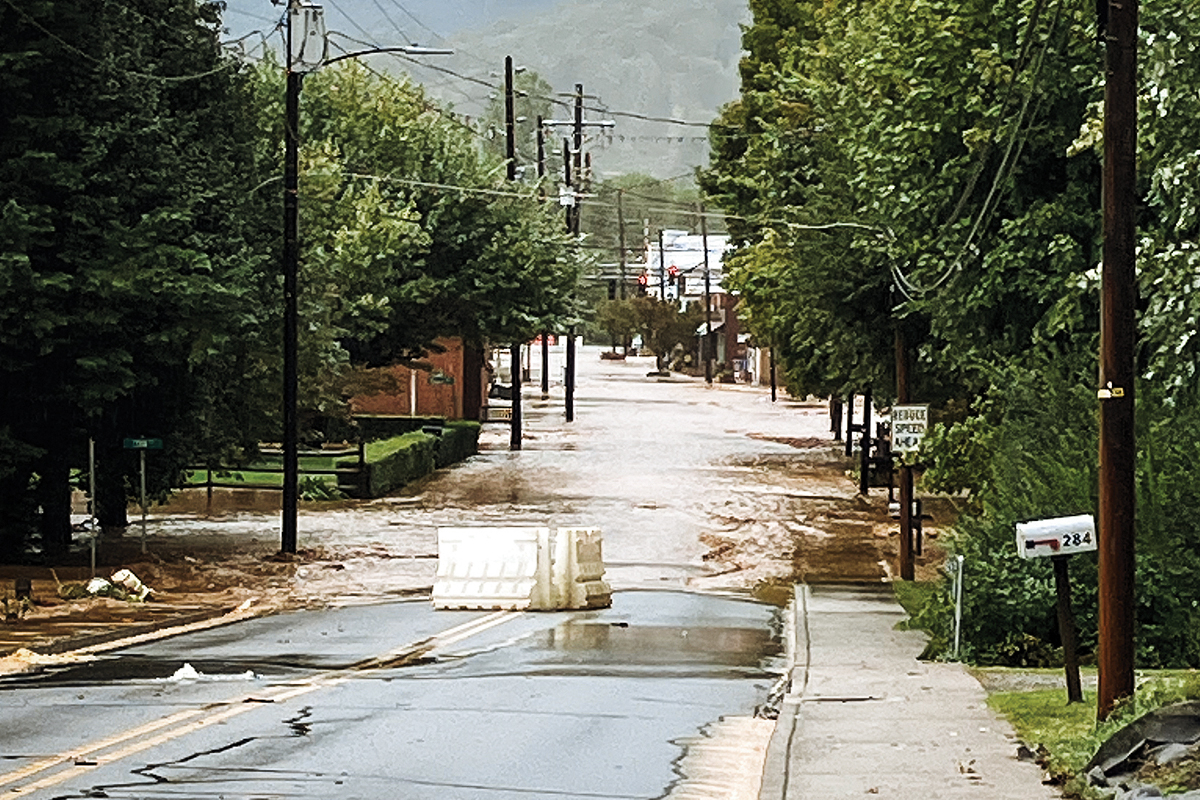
(865, 718)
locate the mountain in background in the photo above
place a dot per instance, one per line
(670, 59)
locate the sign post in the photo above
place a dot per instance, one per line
(1058, 539)
(142, 445)
(909, 423)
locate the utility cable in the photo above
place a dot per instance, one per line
(231, 63)
(391, 21)
(353, 22)
(531, 195)
(559, 101)
(910, 287)
(374, 46)
(426, 104)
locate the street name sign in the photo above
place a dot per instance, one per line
(143, 444)
(909, 424)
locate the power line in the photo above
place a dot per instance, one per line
(531, 195)
(391, 21)
(449, 116)
(259, 17)
(566, 104)
(231, 63)
(1016, 143)
(353, 22)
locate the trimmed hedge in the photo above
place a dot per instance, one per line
(393, 462)
(458, 442)
(373, 427)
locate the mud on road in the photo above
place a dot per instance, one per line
(709, 488)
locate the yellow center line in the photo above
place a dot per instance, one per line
(182, 723)
(111, 741)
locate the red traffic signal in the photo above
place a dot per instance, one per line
(643, 279)
(674, 270)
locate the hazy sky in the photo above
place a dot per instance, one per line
(672, 60)
(388, 21)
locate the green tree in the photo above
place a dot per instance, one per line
(472, 256)
(935, 165)
(127, 253)
(409, 233)
(618, 319)
(663, 326)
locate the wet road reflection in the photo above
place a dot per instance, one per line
(588, 704)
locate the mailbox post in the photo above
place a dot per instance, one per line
(1058, 539)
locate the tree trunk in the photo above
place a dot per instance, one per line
(54, 496)
(472, 381)
(112, 501)
(16, 517)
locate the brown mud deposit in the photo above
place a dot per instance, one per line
(695, 487)
(809, 524)
(792, 519)
(192, 579)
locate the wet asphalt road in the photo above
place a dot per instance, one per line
(352, 703)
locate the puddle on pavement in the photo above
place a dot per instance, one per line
(631, 645)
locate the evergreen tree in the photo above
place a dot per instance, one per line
(127, 245)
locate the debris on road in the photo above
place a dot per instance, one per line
(1161, 748)
(124, 585)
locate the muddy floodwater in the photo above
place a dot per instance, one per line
(694, 486)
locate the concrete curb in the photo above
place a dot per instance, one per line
(775, 766)
(169, 626)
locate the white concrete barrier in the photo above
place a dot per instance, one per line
(580, 569)
(520, 569)
(489, 568)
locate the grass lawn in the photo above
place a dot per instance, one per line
(250, 478)
(1070, 733)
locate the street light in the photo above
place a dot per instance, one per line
(307, 51)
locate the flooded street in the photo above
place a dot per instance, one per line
(340, 682)
(693, 486)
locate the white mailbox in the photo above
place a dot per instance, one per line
(1060, 536)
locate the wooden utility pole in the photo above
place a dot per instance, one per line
(774, 387)
(510, 155)
(1117, 372)
(864, 461)
(706, 350)
(621, 240)
(541, 149)
(662, 267)
(291, 271)
(906, 472)
(577, 157)
(510, 121)
(541, 173)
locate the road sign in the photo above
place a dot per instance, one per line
(1060, 536)
(909, 424)
(143, 444)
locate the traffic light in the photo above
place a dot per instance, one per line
(612, 290)
(643, 282)
(674, 272)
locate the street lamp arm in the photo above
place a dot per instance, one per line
(603, 123)
(408, 51)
